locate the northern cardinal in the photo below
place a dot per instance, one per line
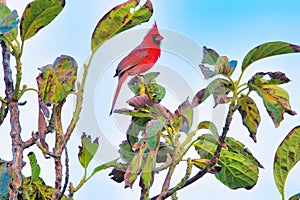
(139, 60)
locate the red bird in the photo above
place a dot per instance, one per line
(139, 60)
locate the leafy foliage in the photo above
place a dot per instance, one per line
(156, 139)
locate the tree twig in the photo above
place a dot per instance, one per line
(215, 158)
(66, 174)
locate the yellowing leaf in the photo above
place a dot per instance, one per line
(276, 101)
(147, 176)
(39, 14)
(119, 19)
(287, 156)
(250, 115)
(210, 126)
(57, 81)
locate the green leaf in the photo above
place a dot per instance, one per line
(119, 19)
(137, 84)
(159, 112)
(35, 168)
(147, 176)
(133, 113)
(44, 190)
(134, 169)
(87, 150)
(125, 151)
(250, 115)
(136, 126)
(39, 14)
(286, 157)
(113, 163)
(186, 111)
(201, 163)
(239, 148)
(218, 87)
(210, 56)
(268, 49)
(150, 77)
(295, 197)
(155, 91)
(276, 101)
(152, 134)
(239, 167)
(36, 190)
(210, 126)
(237, 171)
(57, 81)
(143, 14)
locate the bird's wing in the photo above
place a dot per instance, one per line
(131, 60)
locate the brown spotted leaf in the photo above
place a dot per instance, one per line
(147, 175)
(39, 14)
(276, 99)
(273, 78)
(57, 81)
(140, 101)
(120, 18)
(218, 87)
(134, 169)
(268, 49)
(250, 115)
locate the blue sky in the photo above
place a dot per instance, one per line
(232, 28)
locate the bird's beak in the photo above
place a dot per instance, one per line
(159, 38)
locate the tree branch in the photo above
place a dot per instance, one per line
(17, 144)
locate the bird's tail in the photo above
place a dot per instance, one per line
(122, 78)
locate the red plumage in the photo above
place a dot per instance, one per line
(139, 60)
